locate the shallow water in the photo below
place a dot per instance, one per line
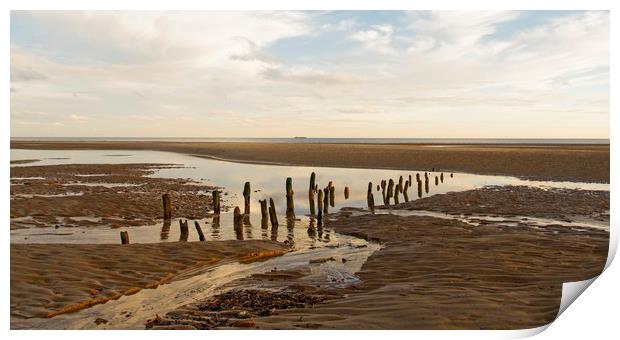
(267, 181)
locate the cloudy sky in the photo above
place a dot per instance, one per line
(317, 74)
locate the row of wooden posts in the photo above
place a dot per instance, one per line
(324, 199)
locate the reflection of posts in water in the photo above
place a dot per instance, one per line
(311, 229)
(346, 193)
(290, 227)
(246, 198)
(273, 216)
(274, 234)
(311, 193)
(124, 237)
(419, 189)
(201, 236)
(405, 194)
(215, 227)
(216, 202)
(319, 200)
(290, 202)
(441, 177)
(326, 200)
(184, 231)
(165, 230)
(167, 206)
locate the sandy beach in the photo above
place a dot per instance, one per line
(584, 163)
(433, 273)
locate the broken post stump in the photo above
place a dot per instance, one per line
(273, 217)
(319, 200)
(390, 191)
(201, 236)
(319, 219)
(332, 194)
(346, 193)
(436, 180)
(419, 189)
(237, 218)
(405, 194)
(184, 230)
(441, 177)
(290, 202)
(167, 206)
(400, 184)
(216, 202)
(124, 237)
(326, 200)
(246, 198)
(396, 193)
(426, 185)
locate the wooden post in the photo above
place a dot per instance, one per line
(319, 200)
(451, 175)
(319, 219)
(201, 236)
(184, 231)
(417, 177)
(426, 185)
(441, 177)
(263, 208)
(124, 237)
(332, 194)
(346, 193)
(390, 191)
(396, 193)
(436, 180)
(378, 187)
(311, 191)
(326, 200)
(383, 194)
(216, 202)
(410, 182)
(167, 206)
(246, 198)
(237, 218)
(405, 194)
(290, 202)
(273, 216)
(371, 203)
(419, 189)
(400, 184)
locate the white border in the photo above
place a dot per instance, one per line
(594, 313)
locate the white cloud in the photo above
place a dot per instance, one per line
(378, 38)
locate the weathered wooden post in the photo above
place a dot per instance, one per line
(390, 191)
(319, 200)
(124, 237)
(378, 187)
(451, 175)
(370, 198)
(326, 200)
(396, 193)
(237, 218)
(272, 214)
(426, 185)
(436, 180)
(290, 202)
(216, 202)
(383, 194)
(410, 182)
(419, 189)
(184, 230)
(201, 236)
(332, 194)
(263, 209)
(311, 191)
(400, 184)
(417, 177)
(346, 193)
(319, 218)
(441, 177)
(405, 194)
(246, 198)
(167, 206)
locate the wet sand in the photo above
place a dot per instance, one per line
(58, 195)
(432, 273)
(51, 279)
(583, 163)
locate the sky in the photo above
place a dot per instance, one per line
(380, 74)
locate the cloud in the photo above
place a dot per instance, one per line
(378, 38)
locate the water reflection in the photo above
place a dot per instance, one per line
(165, 231)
